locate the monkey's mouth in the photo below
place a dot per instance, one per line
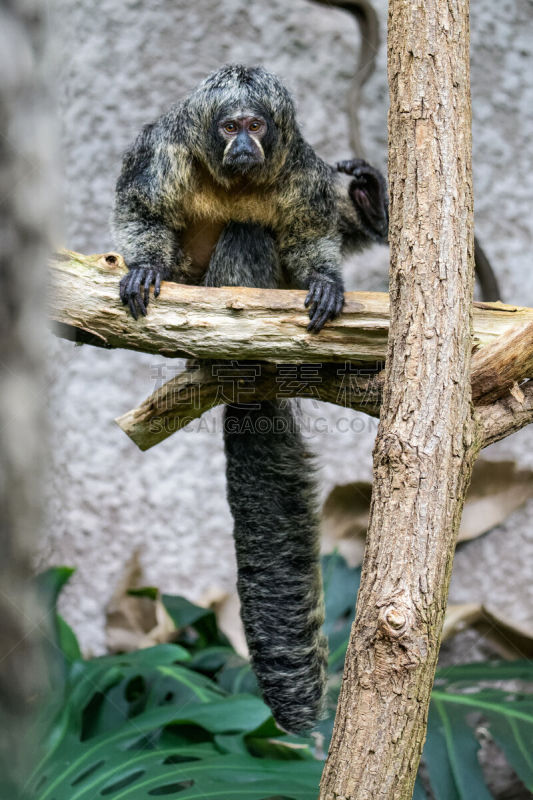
(241, 163)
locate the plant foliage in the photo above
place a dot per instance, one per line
(186, 719)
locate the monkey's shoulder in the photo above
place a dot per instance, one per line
(309, 190)
(157, 158)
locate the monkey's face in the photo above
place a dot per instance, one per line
(245, 138)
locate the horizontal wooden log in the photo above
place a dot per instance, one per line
(231, 323)
(187, 396)
(199, 388)
(506, 361)
(508, 415)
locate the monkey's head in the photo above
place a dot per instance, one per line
(243, 122)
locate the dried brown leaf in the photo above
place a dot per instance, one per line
(497, 489)
(345, 520)
(510, 640)
(226, 606)
(135, 622)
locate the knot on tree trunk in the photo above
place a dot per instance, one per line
(394, 620)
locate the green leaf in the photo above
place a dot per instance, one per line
(67, 641)
(186, 720)
(237, 713)
(50, 583)
(143, 659)
(419, 791)
(65, 648)
(514, 734)
(129, 763)
(211, 660)
(450, 754)
(237, 677)
(483, 671)
(461, 692)
(202, 620)
(150, 592)
(341, 584)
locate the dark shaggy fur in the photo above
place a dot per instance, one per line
(183, 214)
(272, 498)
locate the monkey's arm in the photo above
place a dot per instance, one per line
(149, 243)
(313, 263)
(309, 241)
(151, 250)
(364, 207)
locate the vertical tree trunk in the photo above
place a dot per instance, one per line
(426, 441)
(25, 217)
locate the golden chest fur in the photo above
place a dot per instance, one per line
(208, 207)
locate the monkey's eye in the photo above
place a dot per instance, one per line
(230, 127)
(254, 126)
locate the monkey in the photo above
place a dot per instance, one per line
(223, 190)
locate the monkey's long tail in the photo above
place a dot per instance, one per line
(272, 497)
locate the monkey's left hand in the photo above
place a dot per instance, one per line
(326, 298)
(368, 192)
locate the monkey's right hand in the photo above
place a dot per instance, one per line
(326, 298)
(135, 288)
(368, 192)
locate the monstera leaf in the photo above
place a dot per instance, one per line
(152, 723)
(178, 720)
(145, 725)
(166, 750)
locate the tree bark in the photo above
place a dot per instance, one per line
(231, 322)
(427, 439)
(500, 371)
(508, 415)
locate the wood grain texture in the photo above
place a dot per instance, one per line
(427, 438)
(231, 323)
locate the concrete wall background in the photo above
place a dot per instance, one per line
(120, 64)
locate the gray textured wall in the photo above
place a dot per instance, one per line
(120, 64)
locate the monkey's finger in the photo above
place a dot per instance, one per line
(350, 165)
(133, 310)
(122, 288)
(140, 303)
(127, 285)
(331, 307)
(319, 316)
(157, 284)
(315, 288)
(136, 291)
(147, 283)
(326, 308)
(339, 302)
(315, 291)
(317, 322)
(317, 325)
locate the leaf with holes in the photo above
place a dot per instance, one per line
(167, 750)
